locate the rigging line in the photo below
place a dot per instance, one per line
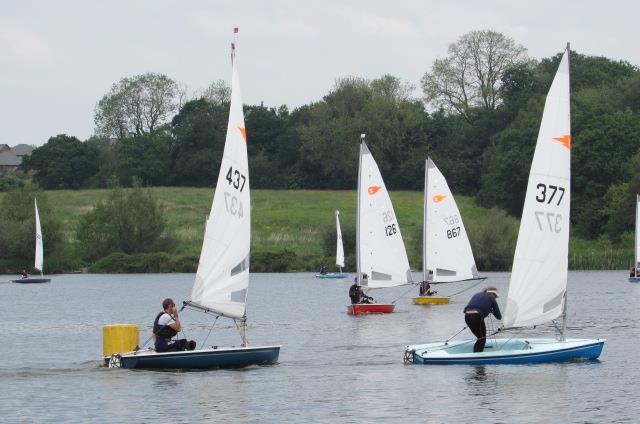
(465, 289)
(405, 293)
(435, 283)
(210, 330)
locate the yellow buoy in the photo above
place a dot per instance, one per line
(118, 338)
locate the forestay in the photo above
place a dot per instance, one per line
(381, 251)
(539, 277)
(446, 249)
(39, 258)
(222, 278)
(339, 247)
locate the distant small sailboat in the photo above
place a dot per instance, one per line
(380, 251)
(446, 251)
(39, 254)
(222, 278)
(635, 270)
(339, 254)
(538, 285)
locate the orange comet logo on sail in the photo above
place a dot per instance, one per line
(565, 140)
(439, 198)
(373, 189)
(244, 133)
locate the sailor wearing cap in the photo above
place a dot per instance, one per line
(479, 307)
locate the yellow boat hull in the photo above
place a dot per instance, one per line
(430, 300)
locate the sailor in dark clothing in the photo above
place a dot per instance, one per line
(479, 307)
(166, 326)
(425, 289)
(357, 295)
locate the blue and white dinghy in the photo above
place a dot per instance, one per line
(634, 276)
(537, 289)
(222, 278)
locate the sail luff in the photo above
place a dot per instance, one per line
(358, 231)
(537, 290)
(424, 219)
(637, 246)
(39, 254)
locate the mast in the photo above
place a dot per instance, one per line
(564, 306)
(635, 259)
(424, 222)
(358, 262)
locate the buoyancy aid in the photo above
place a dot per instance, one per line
(166, 332)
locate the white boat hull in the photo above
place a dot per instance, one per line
(504, 351)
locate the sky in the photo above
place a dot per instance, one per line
(58, 58)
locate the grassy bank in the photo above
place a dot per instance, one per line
(294, 229)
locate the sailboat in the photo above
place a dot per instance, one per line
(446, 251)
(538, 285)
(222, 278)
(381, 255)
(635, 271)
(339, 254)
(39, 256)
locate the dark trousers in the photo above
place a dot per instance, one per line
(166, 345)
(475, 322)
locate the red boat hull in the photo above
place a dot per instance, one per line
(370, 308)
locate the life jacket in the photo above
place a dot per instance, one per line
(165, 332)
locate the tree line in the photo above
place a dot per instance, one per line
(478, 118)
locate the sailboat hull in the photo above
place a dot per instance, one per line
(332, 276)
(370, 308)
(634, 279)
(200, 359)
(430, 300)
(504, 351)
(32, 280)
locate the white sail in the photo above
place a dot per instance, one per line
(446, 250)
(381, 252)
(339, 247)
(539, 277)
(222, 278)
(39, 258)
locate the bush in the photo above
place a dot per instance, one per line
(281, 261)
(493, 240)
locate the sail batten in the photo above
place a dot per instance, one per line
(222, 278)
(537, 289)
(381, 251)
(447, 254)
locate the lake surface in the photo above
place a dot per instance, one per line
(333, 367)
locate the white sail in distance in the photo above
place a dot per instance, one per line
(339, 246)
(381, 252)
(538, 282)
(39, 257)
(222, 278)
(446, 248)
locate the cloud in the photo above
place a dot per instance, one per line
(390, 28)
(23, 45)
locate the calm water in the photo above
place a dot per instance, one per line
(333, 367)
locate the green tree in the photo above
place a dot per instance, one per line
(136, 105)
(144, 157)
(63, 162)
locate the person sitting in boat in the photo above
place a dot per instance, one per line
(357, 295)
(479, 307)
(24, 274)
(425, 289)
(323, 270)
(166, 326)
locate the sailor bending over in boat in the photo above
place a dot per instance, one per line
(425, 289)
(24, 274)
(479, 307)
(166, 326)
